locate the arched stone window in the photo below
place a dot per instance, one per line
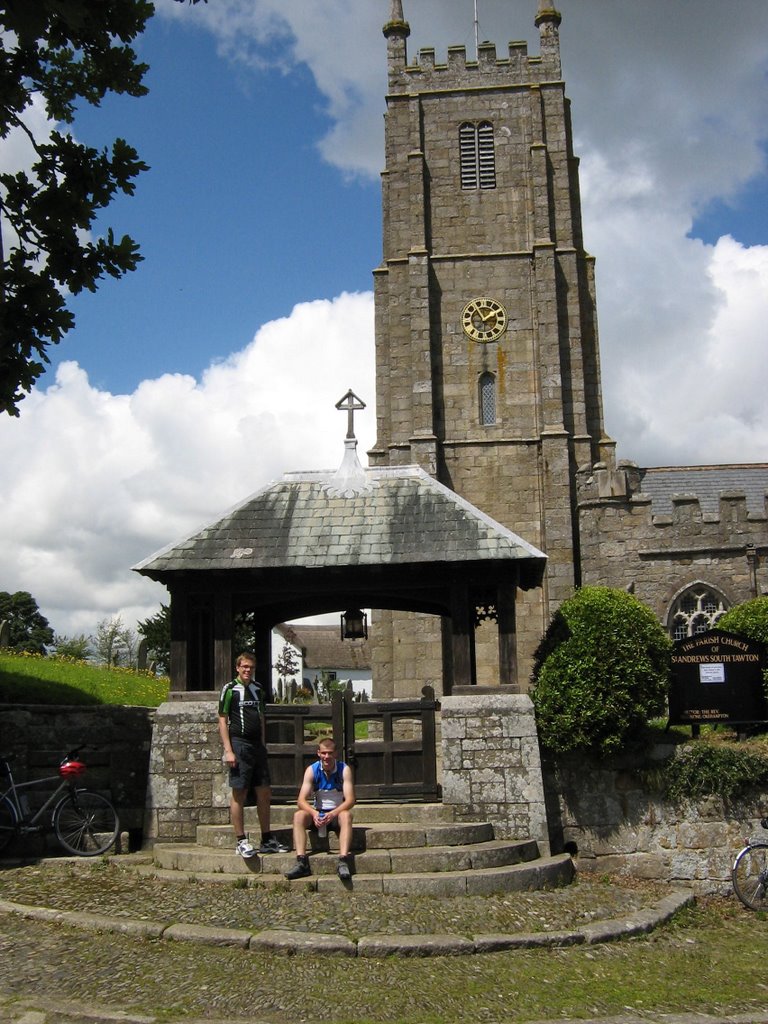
(487, 387)
(695, 610)
(477, 155)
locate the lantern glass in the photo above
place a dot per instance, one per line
(354, 625)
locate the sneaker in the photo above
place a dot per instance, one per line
(301, 870)
(273, 845)
(245, 848)
(343, 870)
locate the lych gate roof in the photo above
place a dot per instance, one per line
(371, 517)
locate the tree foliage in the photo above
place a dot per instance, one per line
(600, 672)
(114, 642)
(77, 647)
(28, 628)
(157, 632)
(61, 52)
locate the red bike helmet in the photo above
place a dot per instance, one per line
(68, 769)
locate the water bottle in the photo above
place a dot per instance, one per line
(24, 804)
(322, 829)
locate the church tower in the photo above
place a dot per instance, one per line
(486, 335)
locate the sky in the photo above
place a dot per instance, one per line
(215, 367)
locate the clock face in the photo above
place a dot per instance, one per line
(484, 320)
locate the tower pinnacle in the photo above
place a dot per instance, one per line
(396, 32)
(397, 25)
(548, 20)
(547, 12)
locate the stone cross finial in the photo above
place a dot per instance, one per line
(352, 404)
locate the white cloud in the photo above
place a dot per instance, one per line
(668, 114)
(101, 481)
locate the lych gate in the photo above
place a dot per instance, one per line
(313, 543)
(393, 759)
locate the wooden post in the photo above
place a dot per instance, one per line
(179, 636)
(262, 644)
(507, 626)
(223, 655)
(462, 637)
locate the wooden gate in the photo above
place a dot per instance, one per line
(391, 745)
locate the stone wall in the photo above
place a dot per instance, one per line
(188, 785)
(117, 754)
(622, 540)
(491, 764)
(614, 825)
(492, 771)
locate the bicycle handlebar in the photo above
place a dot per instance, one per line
(73, 753)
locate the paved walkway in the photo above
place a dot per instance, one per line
(287, 941)
(36, 954)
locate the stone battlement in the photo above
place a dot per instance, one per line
(489, 70)
(649, 495)
(634, 528)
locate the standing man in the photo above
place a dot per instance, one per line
(241, 727)
(326, 798)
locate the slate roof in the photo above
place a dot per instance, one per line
(390, 516)
(707, 483)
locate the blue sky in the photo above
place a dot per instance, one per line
(215, 367)
(238, 219)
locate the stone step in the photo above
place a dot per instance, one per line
(367, 813)
(367, 836)
(541, 873)
(192, 858)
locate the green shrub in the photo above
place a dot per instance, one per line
(749, 619)
(701, 769)
(600, 672)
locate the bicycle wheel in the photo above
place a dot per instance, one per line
(8, 820)
(85, 823)
(750, 876)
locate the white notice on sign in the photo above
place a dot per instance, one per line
(712, 673)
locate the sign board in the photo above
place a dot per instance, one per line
(717, 677)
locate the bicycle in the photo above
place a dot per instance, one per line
(750, 872)
(84, 822)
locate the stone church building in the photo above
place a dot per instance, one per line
(493, 489)
(488, 362)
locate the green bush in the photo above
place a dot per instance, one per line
(600, 672)
(749, 619)
(701, 769)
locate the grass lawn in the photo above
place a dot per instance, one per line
(34, 679)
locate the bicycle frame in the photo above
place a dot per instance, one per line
(28, 822)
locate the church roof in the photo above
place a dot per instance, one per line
(706, 483)
(388, 516)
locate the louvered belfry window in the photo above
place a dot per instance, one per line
(477, 155)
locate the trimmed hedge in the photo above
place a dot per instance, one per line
(600, 672)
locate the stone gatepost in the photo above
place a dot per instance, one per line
(491, 762)
(188, 784)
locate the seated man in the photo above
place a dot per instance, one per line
(326, 797)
